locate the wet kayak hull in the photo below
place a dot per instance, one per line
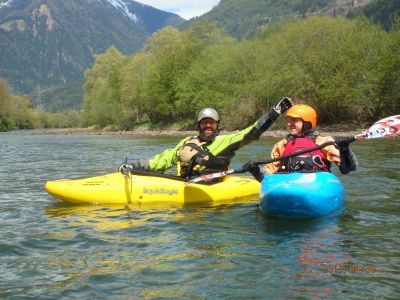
(302, 195)
(116, 188)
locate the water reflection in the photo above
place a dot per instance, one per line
(106, 217)
(52, 250)
(308, 247)
(120, 216)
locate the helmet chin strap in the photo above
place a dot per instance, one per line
(306, 127)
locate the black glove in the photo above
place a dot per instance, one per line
(348, 160)
(252, 167)
(141, 164)
(283, 105)
(255, 170)
(344, 142)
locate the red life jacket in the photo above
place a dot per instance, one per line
(314, 161)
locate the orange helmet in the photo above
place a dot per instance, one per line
(305, 112)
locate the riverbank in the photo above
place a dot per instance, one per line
(344, 131)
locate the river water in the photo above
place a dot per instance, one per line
(50, 250)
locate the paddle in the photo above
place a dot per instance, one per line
(208, 177)
(386, 127)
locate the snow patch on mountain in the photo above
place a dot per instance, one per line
(5, 3)
(122, 7)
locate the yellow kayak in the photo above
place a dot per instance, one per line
(116, 188)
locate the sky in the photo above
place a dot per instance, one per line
(187, 9)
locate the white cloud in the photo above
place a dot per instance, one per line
(187, 9)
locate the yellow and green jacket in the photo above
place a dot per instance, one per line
(223, 146)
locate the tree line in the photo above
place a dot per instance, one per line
(17, 112)
(348, 70)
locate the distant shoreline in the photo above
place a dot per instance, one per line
(147, 132)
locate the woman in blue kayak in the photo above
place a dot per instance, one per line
(301, 120)
(208, 152)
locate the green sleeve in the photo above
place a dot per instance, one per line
(226, 145)
(230, 142)
(165, 159)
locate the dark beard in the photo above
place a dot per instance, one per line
(204, 138)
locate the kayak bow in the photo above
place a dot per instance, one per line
(302, 195)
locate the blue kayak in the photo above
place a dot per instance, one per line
(302, 195)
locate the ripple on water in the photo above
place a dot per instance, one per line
(52, 250)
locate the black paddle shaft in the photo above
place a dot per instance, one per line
(288, 155)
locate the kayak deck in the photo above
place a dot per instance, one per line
(302, 195)
(115, 188)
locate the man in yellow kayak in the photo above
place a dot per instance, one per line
(208, 152)
(301, 121)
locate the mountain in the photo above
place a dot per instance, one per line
(244, 19)
(383, 12)
(45, 45)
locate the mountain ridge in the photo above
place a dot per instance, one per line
(50, 66)
(49, 43)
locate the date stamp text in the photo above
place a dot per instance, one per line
(348, 268)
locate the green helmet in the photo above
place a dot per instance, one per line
(208, 113)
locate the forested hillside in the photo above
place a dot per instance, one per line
(244, 19)
(348, 70)
(384, 12)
